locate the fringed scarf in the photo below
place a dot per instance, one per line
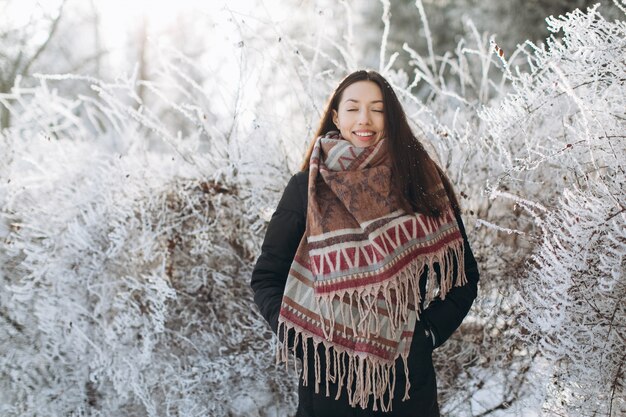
(354, 285)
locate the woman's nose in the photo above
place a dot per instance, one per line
(364, 117)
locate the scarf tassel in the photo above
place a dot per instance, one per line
(363, 376)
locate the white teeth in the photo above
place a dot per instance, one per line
(364, 134)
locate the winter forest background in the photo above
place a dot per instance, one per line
(144, 146)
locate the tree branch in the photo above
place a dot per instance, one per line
(12, 322)
(42, 47)
(616, 383)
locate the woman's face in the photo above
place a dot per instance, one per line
(360, 116)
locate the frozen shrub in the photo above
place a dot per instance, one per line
(124, 277)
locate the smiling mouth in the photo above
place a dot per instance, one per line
(364, 134)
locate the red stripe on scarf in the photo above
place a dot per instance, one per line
(352, 281)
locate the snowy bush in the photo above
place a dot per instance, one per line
(574, 291)
(125, 269)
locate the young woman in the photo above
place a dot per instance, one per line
(365, 266)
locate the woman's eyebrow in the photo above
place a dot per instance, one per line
(356, 101)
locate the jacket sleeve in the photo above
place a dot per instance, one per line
(443, 317)
(283, 235)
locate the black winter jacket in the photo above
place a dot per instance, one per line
(442, 318)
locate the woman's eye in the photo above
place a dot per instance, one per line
(352, 110)
(378, 110)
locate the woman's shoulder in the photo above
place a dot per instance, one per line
(301, 177)
(298, 180)
(295, 195)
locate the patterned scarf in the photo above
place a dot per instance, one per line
(353, 285)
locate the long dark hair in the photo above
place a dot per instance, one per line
(414, 173)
